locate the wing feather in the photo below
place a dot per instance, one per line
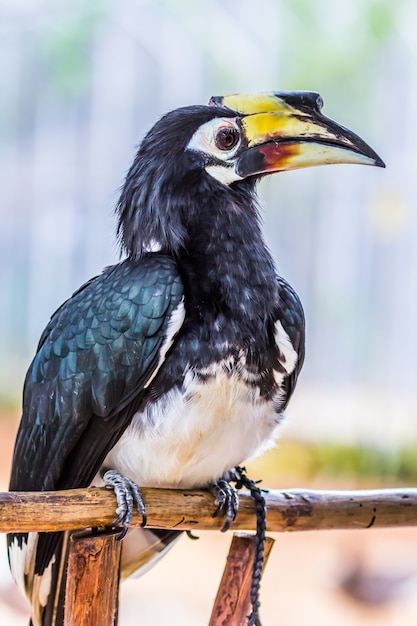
(88, 375)
(291, 316)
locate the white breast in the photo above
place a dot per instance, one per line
(190, 437)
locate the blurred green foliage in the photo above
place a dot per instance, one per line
(332, 43)
(65, 50)
(316, 37)
(362, 465)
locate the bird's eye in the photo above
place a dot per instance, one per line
(226, 138)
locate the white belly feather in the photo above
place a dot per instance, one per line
(190, 437)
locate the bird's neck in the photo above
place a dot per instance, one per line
(214, 233)
(227, 261)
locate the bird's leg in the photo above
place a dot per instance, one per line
(128, 495)
(228, 501)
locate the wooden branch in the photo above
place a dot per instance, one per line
(92, 585)
(232, 604)
(291, 510)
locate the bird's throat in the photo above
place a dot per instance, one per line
(228, 262)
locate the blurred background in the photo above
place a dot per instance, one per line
(80, 83)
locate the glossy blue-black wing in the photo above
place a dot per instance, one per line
(93, 361)
(87, 379)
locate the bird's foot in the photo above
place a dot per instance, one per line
(128, 496)
(226, 496)
(226, 499)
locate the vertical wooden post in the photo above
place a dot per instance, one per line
(92, 587)
(232, 604)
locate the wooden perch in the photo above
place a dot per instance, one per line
(291, 510)
(232, 604)
(92, 587)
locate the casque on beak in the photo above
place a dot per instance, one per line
(286, 130)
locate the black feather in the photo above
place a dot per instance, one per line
(87, 378)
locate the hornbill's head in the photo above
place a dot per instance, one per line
(215, 152)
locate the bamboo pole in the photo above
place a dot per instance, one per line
(291, 510)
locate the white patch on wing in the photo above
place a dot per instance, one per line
(36, 588)
(191, 436)
(17, 558)
(43, 583)
(287, 351)
(174, 324)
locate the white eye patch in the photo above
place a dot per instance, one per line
(206, 140)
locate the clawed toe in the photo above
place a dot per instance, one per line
(227, 501)
(128, 496)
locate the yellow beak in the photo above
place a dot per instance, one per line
(287, 130)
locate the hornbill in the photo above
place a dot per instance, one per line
(175, 365)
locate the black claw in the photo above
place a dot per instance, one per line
(227, 501)
(122, 533)
(128, 495)
(140, 505)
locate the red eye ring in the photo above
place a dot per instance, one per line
(226, 138)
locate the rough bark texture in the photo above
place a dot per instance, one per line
(291, 510)
(92, 589)
(232, 605)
